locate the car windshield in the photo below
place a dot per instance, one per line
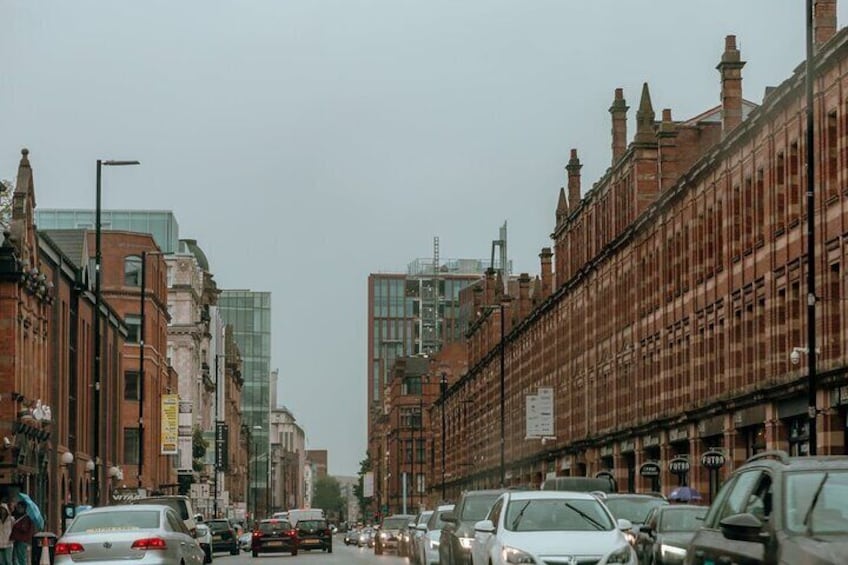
(435, 521)
(556, 514)
(424, 517)
(312, 525)
(274, 526)
(673, 519)
(116, 521)
(633, 509)
(218, 526)
(177, 504)
(395, 523)
(476, 507)
(830, 512)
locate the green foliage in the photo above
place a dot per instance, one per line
(199, 445)
(6, 191)
(327, 494)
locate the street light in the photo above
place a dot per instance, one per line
(98, 257)
(501, 348)
(811, 242)
(255, 471)
(443, 389)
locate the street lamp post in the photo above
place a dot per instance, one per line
(98, 258)
(811, 243)
(502, 353)
(443, 389)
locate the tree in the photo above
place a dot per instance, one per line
(327, 495)
(199, 445)
(7, 190)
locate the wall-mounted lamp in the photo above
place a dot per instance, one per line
(67, 458)
(89, 466)
(114, 472)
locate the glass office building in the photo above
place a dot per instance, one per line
(161, 224)
(249, 313)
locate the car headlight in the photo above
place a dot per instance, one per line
(630, 537)
(465, 542)
(669, 551)
(513, 555)
(384, 535)
(620, 555)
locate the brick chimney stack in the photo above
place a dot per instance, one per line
(523, 295)
(619, 125)
(562, 207)
(573, 167)
(824, 21)
(730, 68)
(668, 158)
(546, 257)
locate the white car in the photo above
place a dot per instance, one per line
(550, 527)
(429, 541)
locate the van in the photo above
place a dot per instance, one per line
(181, 504)
(298, 514)
(578, 484)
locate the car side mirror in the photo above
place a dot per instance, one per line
(624, 525)
(743, 527)
(646, 530)
(484, 526)
(421, 527)
(411, 525)
(449, 517)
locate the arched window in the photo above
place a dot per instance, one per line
(132, 271)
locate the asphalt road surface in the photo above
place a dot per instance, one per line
(342, 555)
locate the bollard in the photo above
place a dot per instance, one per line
(43, 548)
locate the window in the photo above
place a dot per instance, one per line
(133, 328)
(131, 446)
(132, 385)
(132, 271)
(737, 498)
(760, 502)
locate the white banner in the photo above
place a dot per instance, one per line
(185, 430)
(169, 424)
(368, 485)
(540, 414)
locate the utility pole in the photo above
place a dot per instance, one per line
(811, 235)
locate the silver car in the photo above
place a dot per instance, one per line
(143, 534)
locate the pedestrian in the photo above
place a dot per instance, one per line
(6, 521)
(22, 531)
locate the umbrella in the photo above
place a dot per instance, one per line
(684, 494)
(32, 511)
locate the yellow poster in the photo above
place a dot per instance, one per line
(170, 423)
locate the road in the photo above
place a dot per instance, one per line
(342, 555)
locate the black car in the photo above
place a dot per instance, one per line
(315, 534)
(778, 509)
(388, 536)
(274, 536)
(666, 534)
(458, 531)
(223, 536)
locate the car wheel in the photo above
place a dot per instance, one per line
(330, 549)
(234, 551)
(294, 553)
(255, 554)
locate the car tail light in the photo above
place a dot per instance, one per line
(69, 548)
(292, 533)
(149, 543)
(257, 534)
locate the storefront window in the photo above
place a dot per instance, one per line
(799, 436)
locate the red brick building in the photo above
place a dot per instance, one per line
(678, 296)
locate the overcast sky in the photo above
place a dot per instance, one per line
(307, 143)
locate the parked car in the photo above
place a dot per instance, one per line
(148, 533)
(667, 531)
(550, 527)
(388, 535)
(181, 504)
(314, 534)
(274, 536)
(457, 534)
(404, 537)
(579, 484)
(223, 536)
(634, 508)
(778, 509)
(428, 543)
(203, 536)
(416, 534)
(246, 541)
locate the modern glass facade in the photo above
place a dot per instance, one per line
(249, 313)
(161, 224)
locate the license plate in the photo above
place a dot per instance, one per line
(311, 540)
(274, 543)
(216, 537)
